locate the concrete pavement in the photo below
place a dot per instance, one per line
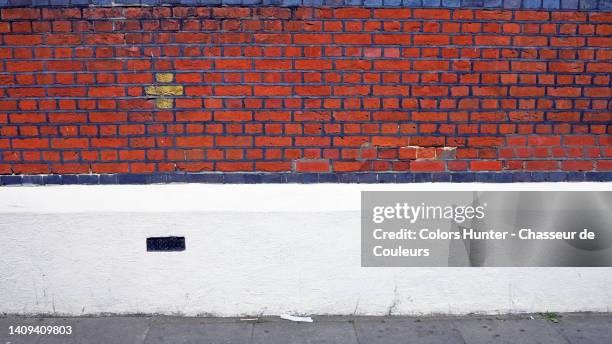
(536, 328)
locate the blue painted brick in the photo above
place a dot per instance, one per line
(192, 178)
(108, 179)
(569, 4)
(588, 4)
(233, 178)
(158, 178)
(252, 178)
(101, 2)
(441, 177)
(313, 3)
(372, 3)
(10, 180)
(290, 3)
(598, 176)
(175, 178)
(88, 179)
(328, 178)
(347, 178)
(333, 3)
(392, 3)
(367, 178)
(503, 177)
(309, 178)
(354, 2)
(405, 178)
(70, 179)
(293, 178)
(485, 177)
(386, 177)
(451, 3)
(521, 177)
(605, 4)
(512, 3)
(472, 3)
(132, 178)
(27, 3)
(79, 2)
(52, 179)
(557, 176)
(539, 176)
(551, 4)
(492, 3)
(531, 4)
(575, 176)
(34, 2)
(431, 3)
(423, 177)
(272, 178)
(462, 177)
(411, 3)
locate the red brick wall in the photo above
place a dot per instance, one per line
(141, 90)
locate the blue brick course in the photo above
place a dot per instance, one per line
(306, 178)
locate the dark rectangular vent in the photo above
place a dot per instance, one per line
(166, 244)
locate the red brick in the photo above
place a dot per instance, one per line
(577, 165)
(542, 165)
(20, 13)
(427, 166)
(486, 165)
(273, 166)
(32, 143)
(316, 165)
(531, 15)
(194, 141)
(352, 13)
(69, 143)
(431, 13)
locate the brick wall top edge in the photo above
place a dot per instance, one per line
(585, 5)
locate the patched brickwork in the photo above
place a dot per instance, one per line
(163, 90)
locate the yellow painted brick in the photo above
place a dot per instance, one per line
(164, 77)
(164, 103)
(164, 90)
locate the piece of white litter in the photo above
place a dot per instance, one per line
(249, 319)
(294, 318)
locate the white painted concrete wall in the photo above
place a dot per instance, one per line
(251, 249)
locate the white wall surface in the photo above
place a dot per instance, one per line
(251, 249)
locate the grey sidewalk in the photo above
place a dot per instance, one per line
(566, 328)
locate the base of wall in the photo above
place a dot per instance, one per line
(250, 249)
(305, 178)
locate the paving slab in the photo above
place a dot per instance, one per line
(524, 329)
(586, 329)
(98, 330)
(198, 331)
(413, 331)
(318, 332)
(508, 331)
